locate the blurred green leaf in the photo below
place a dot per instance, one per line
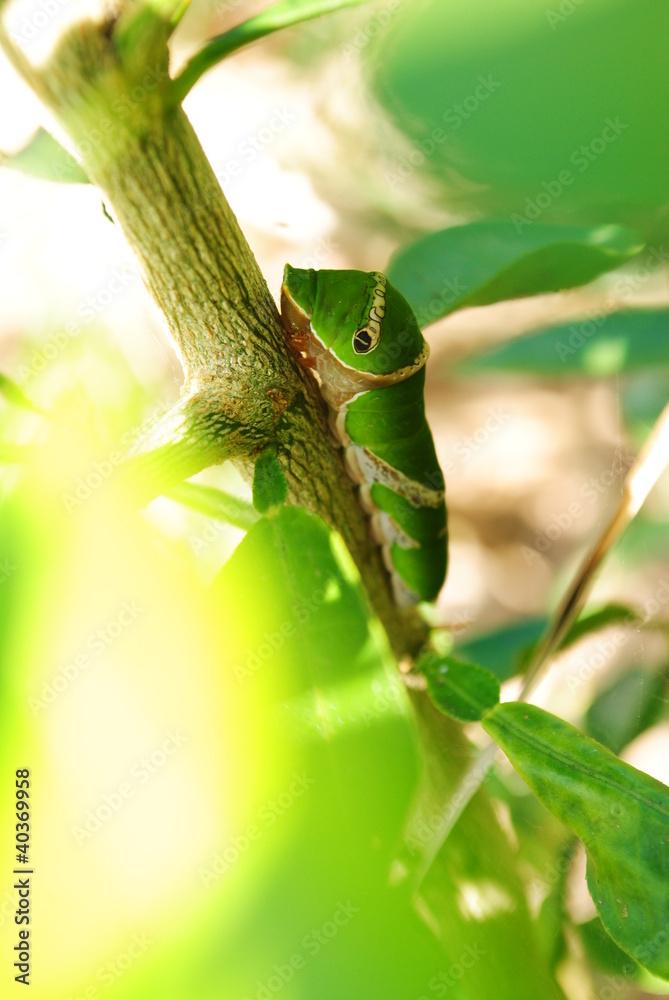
(500, 650)
(44, 157)
(643, 396)
(506, 651)
(598, 618)
(472, 894)
(627, 707)
(215, 503)
(552, 916)
(531, 117)
(620, 814)
(600, 346)
(604, 952)
(491, 261)
(269, 483)
(340, 715)
(298, 631)
(282, 14)
(462, 690)
(590, 621)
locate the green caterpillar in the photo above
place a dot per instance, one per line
(361, 340)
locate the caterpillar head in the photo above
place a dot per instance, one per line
(358, 317)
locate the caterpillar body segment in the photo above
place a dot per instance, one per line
(359, 337)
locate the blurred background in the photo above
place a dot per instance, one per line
(336, 143)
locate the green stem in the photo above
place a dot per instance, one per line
(215, 503)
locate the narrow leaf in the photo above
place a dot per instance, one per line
(630, 341)
(620, 814)
(486, 262)
(280, 15)
(627, 707)
(599, 618)
(269, 483)
(215, 503)
(589, 623)
(44, 157)
(462, 690)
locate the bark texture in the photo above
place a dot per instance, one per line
(244, 388)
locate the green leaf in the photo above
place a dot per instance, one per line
(486, 262)
(297, 627)
(500, 650)
(505, 651)
(462, 690)
(620, 814)
(589, 622)
(604, 952)
(627, 707)
(552, 914)
(599, 618)
(472, 893)
(283, 14)
(299, 640)
(520, 111)
(44, 157)
(599, 346)
(269, 483)
(215, 503)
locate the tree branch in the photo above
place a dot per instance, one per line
(144, 155)
(187, 439)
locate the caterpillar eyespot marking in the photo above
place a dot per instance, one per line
(364, 342)
(367, 354)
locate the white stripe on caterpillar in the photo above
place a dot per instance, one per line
(365, 467)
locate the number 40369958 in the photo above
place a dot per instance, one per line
(22, 814)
